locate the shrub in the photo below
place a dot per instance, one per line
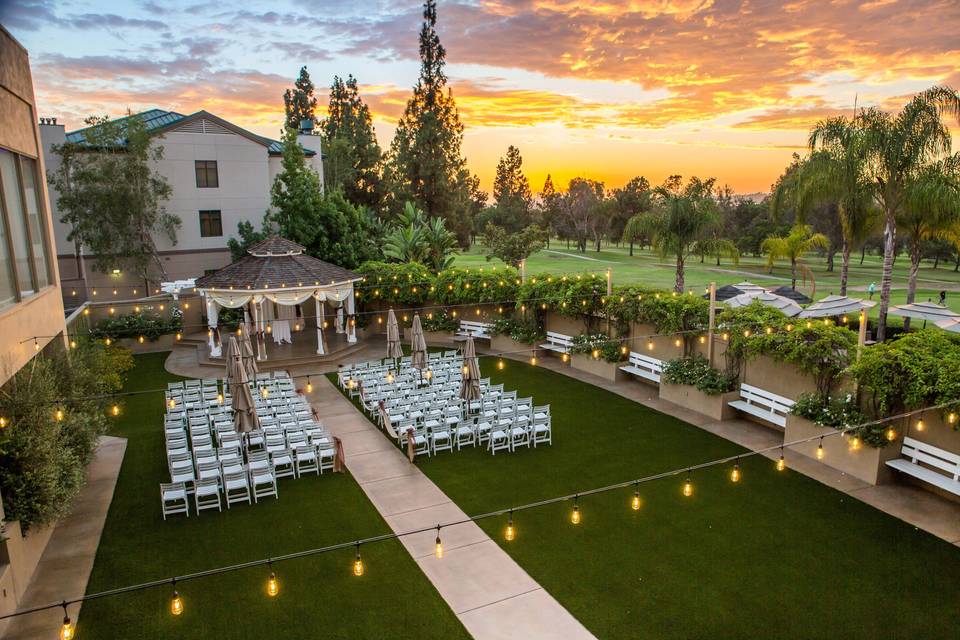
(695, 371)
(134, 325)
(607, 348)
(839, 412)
(439, 321)
(42, 459)
(395, 283)
(525, 331)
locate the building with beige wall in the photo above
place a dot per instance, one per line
(220, 175)
(31, 310)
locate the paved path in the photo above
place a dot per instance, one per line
(66, 563)
(491, 595)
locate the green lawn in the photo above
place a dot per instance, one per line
(319, 596)
(648, 268)
(777, 555)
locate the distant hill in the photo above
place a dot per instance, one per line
(754, 197)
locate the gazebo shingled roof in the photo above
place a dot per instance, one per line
(276, 263)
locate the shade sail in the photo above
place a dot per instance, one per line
(835, 306)
(792, 294)
(787, 307)
(923, 311)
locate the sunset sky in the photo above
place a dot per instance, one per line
(603, 89)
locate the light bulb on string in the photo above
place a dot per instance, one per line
(36, 345)
(176, 602)
(219, 398)
(533, 360)
(735, 473)
(635, 503)
(500, 364)
(575, 514)
(781, 463)
(309, 385)
(58, 414)
(438, 545)
(172, 403)
(510, 532)
(67, 629)
(891, 434)
(273, 587)
(920, 426)
(688, 486)
(115, 410)
(820, 452)
(855, 443)
(358, 563)
(565, 357)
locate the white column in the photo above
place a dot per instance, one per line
(261, 342)
(351, 322)
(320, 349)
(212, 317)
(340, 328)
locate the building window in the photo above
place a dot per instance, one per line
(210, 224)
(38, 230)
(206, 174)
(27, 269)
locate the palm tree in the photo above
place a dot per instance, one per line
(837, 172)
(898, 148)
(931, 210)
(800, 241)
(679, 220)
(405, 244)
(441, 244)
(415, 238)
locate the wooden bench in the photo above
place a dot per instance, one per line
(763, 404)
(475, 329)
(557, 342)
(915, 452)
(644, 366)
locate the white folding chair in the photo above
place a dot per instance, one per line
(206, 495)
(236, 488)
(173, 497)
(306, 459)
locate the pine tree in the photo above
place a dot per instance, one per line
(426, 166)
(299, 103)
(353, 156)
(549, 208)
(511, 191)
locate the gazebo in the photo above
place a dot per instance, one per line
(273, 284)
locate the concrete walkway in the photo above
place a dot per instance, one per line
(491, 595)
(66, 563)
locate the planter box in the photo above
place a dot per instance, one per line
(606, 370)
(866, 463)
(506, 344)
(690, 397)
(439, 338)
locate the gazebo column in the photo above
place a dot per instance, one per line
(339, 322)
(351, 324)
(212, 317)
(320, 349)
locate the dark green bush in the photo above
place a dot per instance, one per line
(134, 325)
(695, 371)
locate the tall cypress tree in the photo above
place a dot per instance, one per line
(353, 155)
(299, 102)
(426, 166)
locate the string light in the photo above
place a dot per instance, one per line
(264, 392)
(58, 414)
(820, 452)
(565, 357)
(115, 410)
(781, 463)
(636, 502)
(595, 353)
(735, 474)
(500, 364)
(855, 443)
(920, 426)
(891, 434)
(309, 385)
(952, 417)
(219, 398)
(438, 546)
(575, 514)
(677, 342)
(73, 344)
(66, 629)
(650, 345)
(358, 563)
(3, 422)
(36, 345)
(273, 587)
(688, 487)
(533, 360)
(176, 602)
(509, 533)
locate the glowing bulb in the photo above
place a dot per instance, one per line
(429, 374)
(110, 310)
(735, 474)
(36, 345)
(891, 434)
(466, 369)
(59, 414)
(390, 378)
(746, 333)
(575, 514)
(635, 503)
(107, 342)
(855, 443)
(265, 392)
(510, 532)
(115, 410)
(781, 463)
(769, 330)
(73, 344)
(688, 488)
(952, 418)
(846, 319)
(273, 587)
(703, 339)
(67, 630)
(500, 365)
(595, 353)
(533, 360)
(677, 342)
(140, 339)
(920, 425)
(789, 327)
(358, 564)
(219, 398)
(176, 604)
(623, 350)
(269, 329)
(179, 336)
(820, 452)
(136, 309)
(650, 345)
(565, 357)
(172, 403)
(309, 385)
(438, 546)
(3, 422)
(726, 336)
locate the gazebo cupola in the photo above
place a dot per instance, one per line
(277, 274)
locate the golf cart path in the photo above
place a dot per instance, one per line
(491, 594)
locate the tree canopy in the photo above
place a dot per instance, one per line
(299, 103)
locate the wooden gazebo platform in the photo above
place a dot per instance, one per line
(281, 356)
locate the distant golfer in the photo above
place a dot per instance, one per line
(872, 289)
(943, 298)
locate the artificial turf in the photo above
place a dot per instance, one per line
(777, 555)
(319, 596)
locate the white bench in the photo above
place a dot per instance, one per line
(763, 404)
(557, 342)
(475, 329)
(915, 452)
(644, 366)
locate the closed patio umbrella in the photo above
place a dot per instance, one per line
(246, 353)
(835, 306)
(241, 398)
(233, 350)
(787, 307)
(924, 311)
(394, 350)
(470, 384)
(418, 345)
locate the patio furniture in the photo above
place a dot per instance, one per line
(930, 464)
(644, 367)
(763, 404)
(559, 342)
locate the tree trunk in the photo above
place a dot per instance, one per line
(844, 267)
(631, 247)
(718, 259)
(889, 247)
(915, 255)
(936, 260)
(863, 254)
(679, 284)
(956, 264)
(793, 273)
(830, 255)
